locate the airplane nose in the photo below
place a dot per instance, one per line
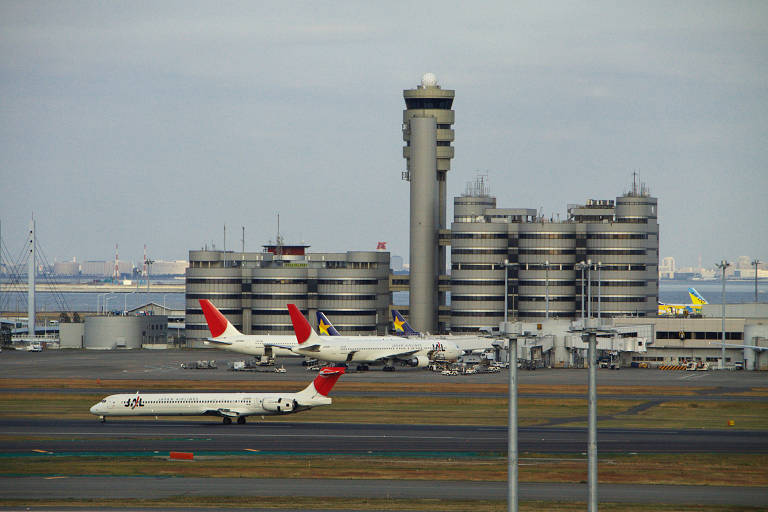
(95, 409)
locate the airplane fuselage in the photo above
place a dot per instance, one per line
(372, 349)
(204, 404)
(256, 345)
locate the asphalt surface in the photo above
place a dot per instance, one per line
(166, 365)
(157, 487)
(148, 437)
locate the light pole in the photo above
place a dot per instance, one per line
(106, 298)
(125, 302)
(581, 266)
(589, 288)
(592, 426)
(599, 264)
(512, 442)
(756, 262)
(722, 266)
(546, 298)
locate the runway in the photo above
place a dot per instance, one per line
(150, 437)
(160, 487)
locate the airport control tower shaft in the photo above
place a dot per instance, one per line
(428, 133)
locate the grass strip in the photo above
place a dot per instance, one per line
(332, 503)
(446, 386)
(670, 469)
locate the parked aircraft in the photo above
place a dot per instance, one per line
(468, 344)
(226, 336)
(228, 406)
(694, 308)
(366, 350)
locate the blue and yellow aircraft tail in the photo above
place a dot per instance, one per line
(324, 326)
(696, 297)
(401, 325)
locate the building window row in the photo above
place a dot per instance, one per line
(617, 236)
(479, 266)
(279, 296)
(551, 252)
(552, 298)
(547, 236)
(477, 313)
(225, 312)
(698, 335)
(479, 251)
(346, 297)
(478, 236)
(617, 252)
(476, 298)
(347, 281)
(199, 280)
(543, 282)
(278, 281)
(214, 295)
(477, 282)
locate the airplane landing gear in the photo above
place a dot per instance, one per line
(388, 369)
(362, 367)
(226, 420)
(241, 420)
(103, 419)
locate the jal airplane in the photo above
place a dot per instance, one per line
(365, 350)
(228, 406)
(226, 336)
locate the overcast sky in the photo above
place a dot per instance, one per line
(160, 122)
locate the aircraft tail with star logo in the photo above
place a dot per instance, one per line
(324, 326)
(401, 325)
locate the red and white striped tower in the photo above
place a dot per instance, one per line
(144, 267)
(116, 270)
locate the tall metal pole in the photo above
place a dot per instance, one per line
(592, 435)
(756, 262)
(589, 288)
(581, 266)
(506, 289)
(32, 270)
(598, 291)
(722, 266)
(512, 496)
(546, 314)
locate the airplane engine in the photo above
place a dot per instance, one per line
(419, 362)
(279, 405)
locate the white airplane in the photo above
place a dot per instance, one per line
(226, 336)
(226, 405)
(365, 350)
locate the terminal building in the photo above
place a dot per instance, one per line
(252, 289)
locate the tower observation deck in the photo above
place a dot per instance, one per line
(428, 134)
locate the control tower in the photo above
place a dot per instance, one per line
(428, 133)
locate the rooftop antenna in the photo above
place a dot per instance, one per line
(279, 241)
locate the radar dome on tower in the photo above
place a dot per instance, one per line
(429, 80)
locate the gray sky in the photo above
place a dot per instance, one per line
(159, 122)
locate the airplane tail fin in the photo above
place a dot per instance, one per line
(301, 327)
(401, 325)
(217, 322)
(696, 297)
(324, 325)
(322, 384)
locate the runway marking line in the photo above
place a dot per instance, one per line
(53, 477)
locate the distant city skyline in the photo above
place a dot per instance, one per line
(160, 123)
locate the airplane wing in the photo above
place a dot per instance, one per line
(217, 342)
(399, 355)
(309, 347)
